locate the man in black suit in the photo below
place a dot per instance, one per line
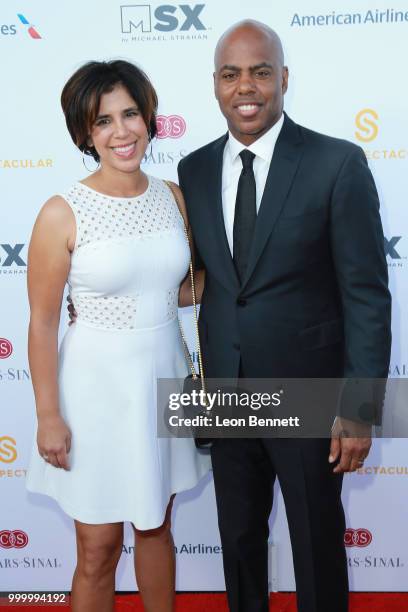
(286, 224)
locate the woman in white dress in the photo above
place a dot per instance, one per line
(118, 239)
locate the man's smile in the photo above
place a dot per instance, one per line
(247, 110)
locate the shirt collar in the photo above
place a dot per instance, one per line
(263, 147)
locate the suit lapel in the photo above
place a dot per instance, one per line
(220, 248)
(285, 161)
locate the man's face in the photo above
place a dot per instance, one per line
(250, 83)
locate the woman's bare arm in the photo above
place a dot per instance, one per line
(48, 267)
(185, 295)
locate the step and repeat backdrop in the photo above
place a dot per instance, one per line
(347, 79)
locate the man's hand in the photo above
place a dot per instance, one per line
(350, 444)
(71, 310)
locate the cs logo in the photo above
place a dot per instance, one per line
(8, 451)
(13, 539)
(173, 126)
(137, 16)
(6, 348)
(357, 537)
(366, 123)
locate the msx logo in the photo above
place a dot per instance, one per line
(389, 246)
(12, 255)
(167, 17)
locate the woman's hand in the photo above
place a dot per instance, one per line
(54, 440)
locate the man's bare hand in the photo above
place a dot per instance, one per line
(71, 310)
(350, 445)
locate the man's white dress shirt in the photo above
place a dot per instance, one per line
(263, 149)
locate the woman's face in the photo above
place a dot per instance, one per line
(119, 133)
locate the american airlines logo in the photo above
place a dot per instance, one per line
(163, 18)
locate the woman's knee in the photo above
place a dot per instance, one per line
(161, 533)
(98, 555)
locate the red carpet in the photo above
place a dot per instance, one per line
(280, 602)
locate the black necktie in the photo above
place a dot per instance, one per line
(245, 213)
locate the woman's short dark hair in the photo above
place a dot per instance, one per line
(81, 97)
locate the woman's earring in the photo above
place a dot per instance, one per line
(89, 169)
(149, 138)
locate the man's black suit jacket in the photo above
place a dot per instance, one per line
(315, 300)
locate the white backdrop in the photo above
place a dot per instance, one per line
(347, 78)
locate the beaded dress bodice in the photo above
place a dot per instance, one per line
(129, 258)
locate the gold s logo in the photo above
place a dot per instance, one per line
(365, 122)
(8, 451)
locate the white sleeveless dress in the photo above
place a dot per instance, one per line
(129, 259)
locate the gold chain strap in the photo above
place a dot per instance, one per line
(193, 293)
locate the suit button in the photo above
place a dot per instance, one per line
(241, 302)
(236, 346)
